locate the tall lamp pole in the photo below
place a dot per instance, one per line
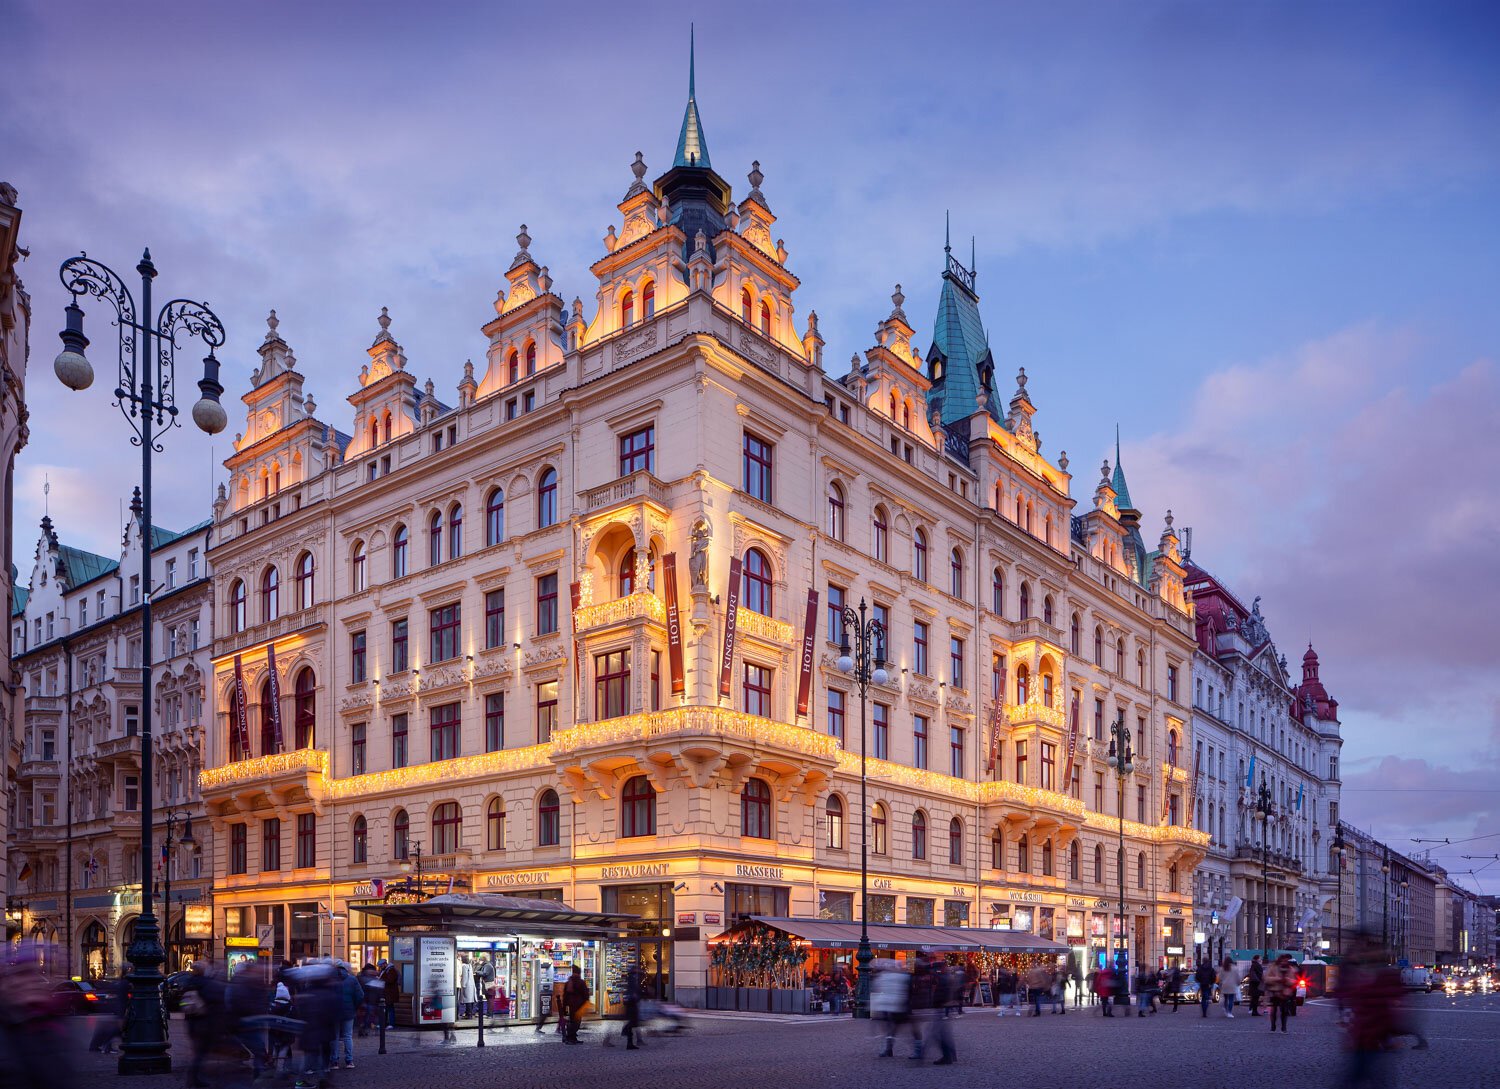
(1385, 903)
(146, 397)
(1339, 847)
(1264, 808)
(168, 844)
(1405, 920)
(864, 660)
(1122, 759)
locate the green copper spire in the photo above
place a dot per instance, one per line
(692, 148)
(1117, 482)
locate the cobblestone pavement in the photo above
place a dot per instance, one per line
(1179, 1050)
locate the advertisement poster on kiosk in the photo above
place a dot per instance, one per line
(435, 981)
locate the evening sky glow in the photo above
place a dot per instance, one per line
(1262, 238)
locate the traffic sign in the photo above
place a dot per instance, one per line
(263, 934)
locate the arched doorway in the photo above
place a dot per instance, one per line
(94, 950)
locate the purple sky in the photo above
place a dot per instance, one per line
(1264, 238)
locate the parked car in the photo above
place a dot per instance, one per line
(172, 989)
(76, 996)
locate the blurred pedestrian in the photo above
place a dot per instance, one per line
(1281, 989)
(576, 995)
(351, 998)
(1370, 994)
(1038, 985)
(111, 1023)
(1205, 977)
(35, 1049)
(948, 989)
(1104, 989)
(1229, 985)
(632, 1003)
(390, 976)
(890, 1000)
(369, 1009)
(203, 1013)
(923, 999)
(1255, 983)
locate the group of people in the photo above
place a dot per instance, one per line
(1276, 983)
(919, 1001)
(830, 990)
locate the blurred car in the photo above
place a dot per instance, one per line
(172, 989)
(76, 996)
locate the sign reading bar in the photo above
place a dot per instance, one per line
(731, 624)
(240, 710)
(742, 869)
(274, 682)
(809, 643)
(674, 625)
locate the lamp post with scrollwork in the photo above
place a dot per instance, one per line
(145, 394)
(1264, 810)
(1122, 760)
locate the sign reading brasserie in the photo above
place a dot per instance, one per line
(772, 873)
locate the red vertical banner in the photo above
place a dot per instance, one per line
(809, 644)
(731, 626)
(275, 682)
(241, 709)
(997, 706)
(674, 625)
(575, 597)
(1067, 779)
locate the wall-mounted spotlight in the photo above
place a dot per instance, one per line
(716, 887)
(679, 886)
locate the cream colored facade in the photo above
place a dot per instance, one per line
(691, 341)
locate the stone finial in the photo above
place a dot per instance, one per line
(545, 280)
(897, 299)
(700, 241)
(500, 301)
(812, 321)
(638, 168)
(610, 240)
(271, 323)
(309, 406)
(577, 308)
(664, 213)
(1169, 518)
(523, 239)
(1037, 435)
(781, 251)
(1104, 472)
(1021, 382)
(222, 496)
(755, 176)
(468, 370)
(1062, 460)
(429, 389)
(385, 324)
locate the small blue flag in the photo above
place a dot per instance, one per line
(1250, 779)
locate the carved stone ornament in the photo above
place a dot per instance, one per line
(756, 352)
(637, 344)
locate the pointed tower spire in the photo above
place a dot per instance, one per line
(947, 232)
(692, 148)
(1122, 490)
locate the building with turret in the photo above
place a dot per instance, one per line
(573, 632)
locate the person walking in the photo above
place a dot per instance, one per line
(203, 1011)
(1256, 983)
(1229, 985)
(1104, 989)
(390, 976)
(1059, 991)
(1280, 982)
(1173, 985)
(923, 997)
(1075, 974)
(369, 1008)
(1038, 985)
(576, 995)
(1145, 980)
(112, 1017)
(1205, 977)
(948, 990)
(1370, 994)
(890, 1000)
(632, 1003)
(351, 997)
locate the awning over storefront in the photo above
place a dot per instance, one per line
(492, 913)
(844, 934)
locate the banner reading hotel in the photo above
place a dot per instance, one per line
(275, 683)
(241, 711)
(996, 705)
(809, 645)
(1067, 779)
(731, 624)
(575, 596)
(674, 625)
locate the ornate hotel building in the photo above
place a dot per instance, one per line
(75, 849)
(1272, 884)
(499, 625)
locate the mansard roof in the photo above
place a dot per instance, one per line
(692, 145)
(80, 567)
(960, 342)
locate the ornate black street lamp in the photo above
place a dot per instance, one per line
(169, 844)
(1385, 904)
(1264, 809)
(146, 396)
(1339, 849)
(1122, 759)
(864, 660)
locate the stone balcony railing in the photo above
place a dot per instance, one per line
(1035, 712)
(639, 606)
(1033, 627)
(764, 627)
(261, 769)
(636, 486)
(686, 722)
(480, 766)
(1001, 791)
(111, 748)
(39, 769)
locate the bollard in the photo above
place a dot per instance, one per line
(384, 1016)
(483, 1001)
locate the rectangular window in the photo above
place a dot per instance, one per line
(444, 627)
(758, 458)
(357, 735)
(358, 663)
(656, 680)
(1049, 766)
(956, 662)
(239, 858)
(1098, 720)
(494, 722)
(399, 750)
(546, 711)
(757, 690)
(1140, 804)
(1172, 683)
(836, 714)
(528, 400)
(270, 844)
(956, 751)
(192, 563)
(612, 684)
(835, 613)
(195, 634)
(494, 619)
(919, 734)
(919, 647)
(638, 451)
(135, 589)
(132, 794)
(444, 729)
(510, 409)
(918, 911)
(1021, 762)
(83, 612)
(546, 604)
(307, 841)
(171, 574)
(400, 646)
(880, 732)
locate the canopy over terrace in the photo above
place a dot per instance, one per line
(491, 912)
(843, 934)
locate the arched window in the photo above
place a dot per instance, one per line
(1047, 689)
(893, 406)
(546, 499)
(834, 814)
(1098, 864)
(435, 538)
(919, 554)
(360, 845)
(400, 835)
(1075, 635)
(374, 435)
(881, 530)
(1046, 858)
(755, 810)
(997, 592)
(1140, 667)
(447, 828)
(626, 574)
(955, 842)
(268, 709)
(1075, 862)
(627, 310)
(1120, 657)
(514, 366)
(919, 834)
(1172, 878)
(531, 358)
(455, 531)
(237, 606)
(648, 300)
(494, 825)
(400, 551)
(548, 819)
(879, 823)
(1098, 645)
(304, 579)
(1172, 747)
(357, 575)
(835, 512)
(906, 415)
(270, 595)
(494, 517)
(1140, 870)
(305, 709)
(638, 808)
(1023, 683)
(758, 593)
(1023, 855)
(386, 425)
(765, 317)
(956, 573)
(1025, 600)
(1047, 609)
(997, 849)
(746, 306)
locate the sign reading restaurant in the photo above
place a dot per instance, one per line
(640, 869)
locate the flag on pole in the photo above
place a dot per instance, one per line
(1250, 778)
(274, 679)
(1299, 797)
